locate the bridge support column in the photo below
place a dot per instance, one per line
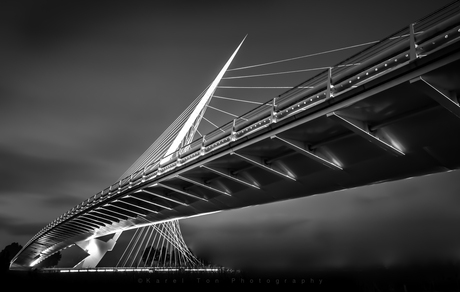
(301, 148)
(361, 128)
(96, 249)
(413, 45)
(259, 162)
(447, 99)
(227, 174)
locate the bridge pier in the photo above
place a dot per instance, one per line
(96, 249)
(446, 98)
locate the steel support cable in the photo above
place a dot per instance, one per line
(143, 246)
(156, 240)
(161, 148)
(376, 47)
(262, 87)
(162, 248)
(238, 100)
(159, 151)
(153, 153)
(151, 246)
(313, 54)
(180, 255)
(180, 239)
(166, 249)
(278, 73)
(161, 251)
(190, 135)
(201, 135)
(131, 249)
(291, 72)
(188, 138)
(164, 234)
(195, 128)
(225, 112)
(135, 247)
(370, 52)
(175, 239)
(172, 129)
(173, 227)
(177, 227)
(146, 246)
(139, 247)
(160, 239)
(170, 255)
(176, 253)
(155, 249)
(304, 56)
(122, 255)
(158, 147)
(217, 127)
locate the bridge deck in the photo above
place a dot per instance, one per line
(394, 117)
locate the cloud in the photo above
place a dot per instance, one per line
(34, 174)
(61, 201)
(335, 230)
(14, 226)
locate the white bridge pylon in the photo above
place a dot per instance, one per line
(164, 238)
(187, 132)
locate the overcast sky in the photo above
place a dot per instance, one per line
(87, 86)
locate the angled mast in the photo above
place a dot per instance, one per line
(190, 126)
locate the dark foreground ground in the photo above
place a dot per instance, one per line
(421, 278)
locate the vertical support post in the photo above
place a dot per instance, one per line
(273, 113)
(130, 179)
(179, 153)
(202, 150)
(329, 92)
(233, 136)
(159, 170)
(143, 173)
(413, 45)
(117, 188)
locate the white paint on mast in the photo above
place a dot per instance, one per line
(196, 112)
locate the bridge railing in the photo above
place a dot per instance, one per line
(217, 134)
(191, 151)
(392, 51)
(415, 41)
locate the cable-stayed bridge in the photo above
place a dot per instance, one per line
(388, 112)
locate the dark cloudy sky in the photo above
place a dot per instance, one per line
(87, 86)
